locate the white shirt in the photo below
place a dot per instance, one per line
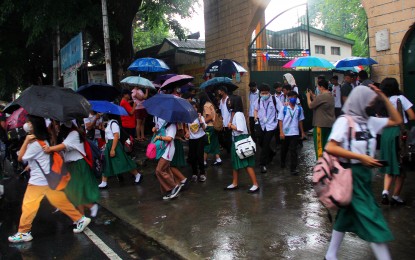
(169, 152)
(267, 114)
(197, 125)
(406, 104)
(225, 112)
(290, 120)
(336, 92)
(253, 99)
(340, 134)
(280, 97)
(111, 129)
(239, 121)
(73, 147)
(35, 152)
(90, 119)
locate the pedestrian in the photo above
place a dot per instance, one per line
(290, 119)
(347, 86)
(266, 112)
(240, 132)
(82, 190)
(225, 136)
(179, 160)
(289, 79)
(279, 94)
(253, 99)
(128, 121)
(363, 78)
(336, 93)
(197, 139)
(38, 188)
(323, 115)
(389, 146)
(116, 160)
(94, 128)
(363, 216)
(207, 109)
(140, 112)
(169, 185)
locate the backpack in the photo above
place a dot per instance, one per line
(332, 183)
(126, 139)
(156, 148)
(58, 176)
(218, 122)
(275, 105)
(94, 157)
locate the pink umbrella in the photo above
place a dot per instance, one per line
(289, 64)
(176, 81)
(16, 119)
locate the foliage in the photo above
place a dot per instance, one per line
(344, 18)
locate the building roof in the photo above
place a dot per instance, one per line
(190, 46)
(303, 27)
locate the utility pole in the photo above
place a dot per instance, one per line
(106, 42)
(56, 57)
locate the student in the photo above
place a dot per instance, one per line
(116, 160)
(140, 112)
(363, 216)
(128, 122)
(197, 139)
(291, 129)
(38, 188)
(337, 94)
(225, 136)
(253, 100)
(240, 132)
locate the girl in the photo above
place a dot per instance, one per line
(389, 146)
(116, 160)
(82, 189)
(37, 188)
(197, 138)
(363, 216)
(140, 112)
(178, 160)
(239, 132)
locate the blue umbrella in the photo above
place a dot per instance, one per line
(355, 61)
(99, 91)
(312, 62)
(137, 81)
(171, 108)
(148, 65)
(219, 81)
(107, 107)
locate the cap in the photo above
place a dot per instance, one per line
(125, 91)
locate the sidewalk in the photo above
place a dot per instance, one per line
(283, 221)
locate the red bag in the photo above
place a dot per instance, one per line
(332, 182)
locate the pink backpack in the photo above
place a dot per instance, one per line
(333, 183)
(151, 151)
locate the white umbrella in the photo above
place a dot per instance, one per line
(137, 81)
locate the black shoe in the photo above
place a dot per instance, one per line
(263, 169)
(216, 163)
(397, 202)
(231, 188)
(254, 191)
(385, 199)
(175, 192)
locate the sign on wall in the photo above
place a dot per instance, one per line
(72, 54)
(382, 40)
(70, 79)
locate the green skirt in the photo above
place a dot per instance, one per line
(83, 187)
(240, 163)
(121, 163)
(388, 150)
(320, 135)
(178, 157)
(213, 146)
(363, 216)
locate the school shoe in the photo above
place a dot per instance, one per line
(253, 189)
(20, 237)
(138, 179)
(263, 169)
(217, 163)
(103, 185)
(202, 178)
(397, 201)
(94, 210)
(385, 199)
(174, 193)
(231, 187)
(81, 224)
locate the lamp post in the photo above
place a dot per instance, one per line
(106, 42)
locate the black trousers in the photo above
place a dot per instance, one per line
(265, 143)
(290, 143)
(196, 151)
(252, 128)
(225, 139)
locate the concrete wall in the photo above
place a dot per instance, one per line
(396, 16)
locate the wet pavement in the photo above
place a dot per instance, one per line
(283, 221)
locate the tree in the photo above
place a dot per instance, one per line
(344, 18)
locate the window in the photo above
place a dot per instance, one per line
(335, 51)
(320, 49)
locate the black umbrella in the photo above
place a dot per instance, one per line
(98, 91)
(224, 67)
(62, 104)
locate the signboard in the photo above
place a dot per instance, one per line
(70, 80)
(72, 53)
(97, 77)
(382, 40)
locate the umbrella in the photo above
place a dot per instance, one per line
(103, 106)
(98, 91)
(354, 61)
(170, 108)
(224, 67)
(176, 81)
(16, 119)
(61, 104)
(219, 81)
(148, 65)
(312, 62)
(288, 65)
(354, 69)
(137, 81)
(161, 78)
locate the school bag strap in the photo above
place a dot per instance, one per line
(275, 105)
(284, 111)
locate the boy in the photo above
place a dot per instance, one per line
(290, 120)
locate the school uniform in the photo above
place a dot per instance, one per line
(363, 216)
(290, 126)
(213, 145)
(225, 136)
(253, 99)
(237, 135)
(179, 159)
(197, 142)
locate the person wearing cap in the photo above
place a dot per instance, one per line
(336, 93)
(253, 99)
(128, 122)
(347, 86)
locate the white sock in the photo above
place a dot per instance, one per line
(219, 160)
(397, 198)
(381, 251)
(103, 184)
(385, 192)
(184, 181)
(94, 210)
(137, 177)
(254, 187)
(231, 186)
(335, 242)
